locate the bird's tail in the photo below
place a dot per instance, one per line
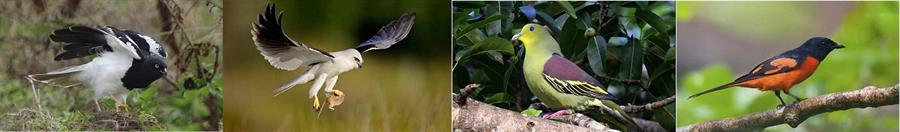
(50, 77)
(303, 78)
(729, 85)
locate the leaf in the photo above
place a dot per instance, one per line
(653, 20)
(476, 25)
(632, 60)
(531, 112)
(499, 98)
(492, 44)
(568, 7)
(596, 50)
(571, 39)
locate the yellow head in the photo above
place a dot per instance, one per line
(535, 36)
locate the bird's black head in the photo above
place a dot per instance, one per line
(819, 47)
(143, 72)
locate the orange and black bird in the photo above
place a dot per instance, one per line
(785, 70)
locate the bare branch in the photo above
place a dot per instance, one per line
(796, 113)
(650, 106)
(477, 116)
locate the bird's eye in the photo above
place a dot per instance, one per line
(356, 59)
(531, 28)
(156, 65)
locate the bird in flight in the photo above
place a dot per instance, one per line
(783, 71)
(125, 60)
(323, 68)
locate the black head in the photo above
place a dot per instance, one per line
(819, 47)
(143, 72)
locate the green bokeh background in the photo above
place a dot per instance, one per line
(723, 40)
(405, 87)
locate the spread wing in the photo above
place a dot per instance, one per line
(566, 77)
(781, 63)
(83, 41)
(390, 34)
(282, 52)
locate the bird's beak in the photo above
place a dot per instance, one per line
(838, 46)
(515, 38)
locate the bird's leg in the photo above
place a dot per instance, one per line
(330, 93)
(314, 90)
(119, 104)
(97, 103)
(778, 94)
(796, 99)
(558, 114)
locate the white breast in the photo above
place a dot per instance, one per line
(104, 73)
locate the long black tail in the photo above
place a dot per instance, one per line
(729, 85)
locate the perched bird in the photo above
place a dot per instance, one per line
(784, 70)
(322, 67)
(125, 60)
(556, 81)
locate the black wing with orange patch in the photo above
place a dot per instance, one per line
(782, 63)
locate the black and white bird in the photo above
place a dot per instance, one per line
(124, 60)
(323, 68)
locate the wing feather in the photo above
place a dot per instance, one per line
(390, 34)
(566, 77)
(281, 51)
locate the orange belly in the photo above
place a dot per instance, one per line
(783, 81)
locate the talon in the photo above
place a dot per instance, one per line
(120, 105)
(316, 105)
(336, 98)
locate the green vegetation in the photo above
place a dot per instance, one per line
(628, 46)
(869, 31)
(194, 103)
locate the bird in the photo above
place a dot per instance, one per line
(781, 72)
(322, 67)
(125, 60)
(557, 81)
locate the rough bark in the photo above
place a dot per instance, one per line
(476, 116)
(796, 113)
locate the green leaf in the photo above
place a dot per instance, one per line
(531, 112)
(499, 98)
(476, 25)
(571, 39)
(596, 50)
(632, 60)
(568, 7)
(492, 44)
(653, 20)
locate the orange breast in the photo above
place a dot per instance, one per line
(784, 81)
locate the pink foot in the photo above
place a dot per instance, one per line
(557, 114)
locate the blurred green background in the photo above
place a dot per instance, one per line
(611, 40)
(25, 27)
(405, 87)
(723, 40)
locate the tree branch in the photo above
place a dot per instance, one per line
(650, 106)
(476, 116)
(796, 113)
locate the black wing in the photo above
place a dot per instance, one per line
(282, 52)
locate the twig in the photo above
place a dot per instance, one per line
(796, 113)
(625, 81)
(464, 93)
(650, 106)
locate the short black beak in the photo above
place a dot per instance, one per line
(838, 46)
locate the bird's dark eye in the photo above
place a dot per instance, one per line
(531, 28)
(356, 59)
(156, 65)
